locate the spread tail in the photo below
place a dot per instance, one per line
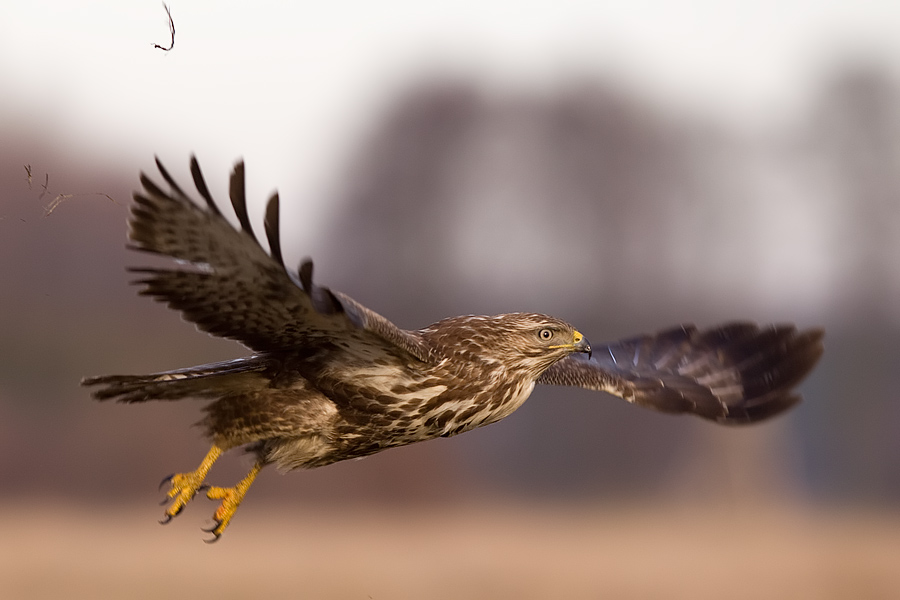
(203, 381)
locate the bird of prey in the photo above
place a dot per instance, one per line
(329, 379)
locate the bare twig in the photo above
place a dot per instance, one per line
(60, 198)
(171, 30)
(44, 186)
(56, 202)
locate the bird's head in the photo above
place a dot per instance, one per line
(527, 342)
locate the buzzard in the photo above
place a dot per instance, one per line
(330, 379)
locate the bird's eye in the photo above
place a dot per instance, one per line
(545, 334)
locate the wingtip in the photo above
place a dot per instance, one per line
(200, 184)
(237, 192)
(173, 185)
(772, 391)
(305, 272)
(272, 228)
(150, 187)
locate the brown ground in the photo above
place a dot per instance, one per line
(491, 551)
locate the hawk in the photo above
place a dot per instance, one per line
(330, 380)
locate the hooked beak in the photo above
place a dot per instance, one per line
(580, 344)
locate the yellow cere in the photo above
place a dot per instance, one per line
(576, 337)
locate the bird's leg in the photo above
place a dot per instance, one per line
(185, 485)
(231, 498)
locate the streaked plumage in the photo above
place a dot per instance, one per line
(331, 380)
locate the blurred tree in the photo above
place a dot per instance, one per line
(858, 124)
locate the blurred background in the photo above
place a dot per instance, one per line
(624, 166)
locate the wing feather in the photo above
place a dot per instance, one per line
(272, 229)
(735, 373)
(231, 288)
(237, 193)
(171, 181)
(201, 186)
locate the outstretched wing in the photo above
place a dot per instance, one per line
(228, 286)
(735, 373)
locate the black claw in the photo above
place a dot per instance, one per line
(165, 481)
(211, 529)
(169, 517)
(165, 501)
(203, 487)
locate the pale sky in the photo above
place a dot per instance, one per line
(294, 83)
(293, 87)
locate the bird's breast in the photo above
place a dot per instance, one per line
(404, 406)
(464, 410)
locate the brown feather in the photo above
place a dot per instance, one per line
(735, 373)
(333, 380)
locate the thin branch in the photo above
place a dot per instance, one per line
(28, 171)
(45, 185)
(60, 198)
(171, 30)
(56, 202)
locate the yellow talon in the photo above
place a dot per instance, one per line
(231, 498)
(185, 485)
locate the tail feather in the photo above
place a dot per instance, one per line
(203, 381)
